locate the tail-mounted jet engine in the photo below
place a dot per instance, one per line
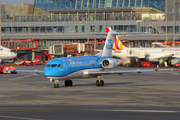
(110, 63)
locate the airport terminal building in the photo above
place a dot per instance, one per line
(50, 22)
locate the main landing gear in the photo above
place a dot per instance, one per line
(68, 83)
(99, 82)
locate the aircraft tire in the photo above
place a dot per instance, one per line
(97, 83)
(66, 83)
(70, 83)
(57, 86)
(101, 83)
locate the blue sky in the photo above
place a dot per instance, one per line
(16, 2)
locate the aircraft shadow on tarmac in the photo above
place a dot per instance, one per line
(106, 84)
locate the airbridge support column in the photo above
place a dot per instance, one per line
(33, 55)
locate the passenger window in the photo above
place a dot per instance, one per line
(54, 65)
(60, 65)
(48, 65)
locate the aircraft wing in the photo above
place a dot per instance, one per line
(31, 71)
(124, 71)
(163, 56)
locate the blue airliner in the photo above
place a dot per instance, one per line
(69, 68)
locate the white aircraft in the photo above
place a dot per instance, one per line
(6, 53)
(152, 54)
(68, 68)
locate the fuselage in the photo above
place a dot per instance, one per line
(150, 53)
(6, 53)
(73, 67)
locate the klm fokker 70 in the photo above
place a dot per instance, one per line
(69, 68)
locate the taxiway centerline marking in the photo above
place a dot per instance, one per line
(23, 77)
(22, 118)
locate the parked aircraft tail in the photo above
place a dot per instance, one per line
(108, 47)
(117, 43)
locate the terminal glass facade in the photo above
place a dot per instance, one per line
(83, 4)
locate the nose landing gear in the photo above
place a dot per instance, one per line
(56, 85)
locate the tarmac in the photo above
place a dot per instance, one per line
(147, 94)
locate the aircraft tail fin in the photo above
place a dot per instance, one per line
(107, 50)
(108, 47)
(117, 43)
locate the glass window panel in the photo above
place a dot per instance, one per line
(169, 10)
(108, 3)
(132, 28)
(2, 14)
(120, 3)
(67, 4)
(102, 3)
(72, 4)
(126, 3)
(145, 3)
(91, 3)
(114, 3)
(51, 4)
(79, 4)
(85, 4)
(57, 5)
(176, 10)
(138, 3)
(132, 3)
(97, 3)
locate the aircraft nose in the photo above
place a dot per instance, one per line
(51, 73)
(47, 73)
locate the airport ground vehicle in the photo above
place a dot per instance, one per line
(177, 64)
(36, 61)
(145, 64)
(7, 69)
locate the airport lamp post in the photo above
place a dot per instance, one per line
(166, 22)
(88, 24)
(95, 27)
(0, 23)
(174, 23)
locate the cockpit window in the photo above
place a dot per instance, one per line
(11, 51)
(60, 65)
(48, 65)
(54, 65)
